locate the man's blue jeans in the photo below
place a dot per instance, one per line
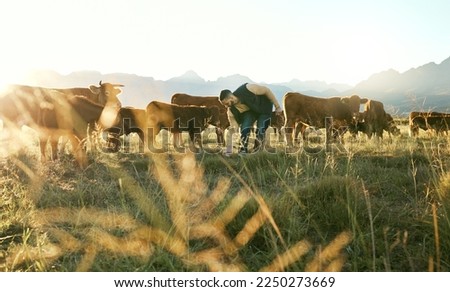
(248, 119)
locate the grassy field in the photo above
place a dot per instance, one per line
(366, 206)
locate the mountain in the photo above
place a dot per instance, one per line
(138, 91)
(321, 88)
(423, 88)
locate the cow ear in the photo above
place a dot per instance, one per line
(94, 89)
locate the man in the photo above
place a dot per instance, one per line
(250, 103)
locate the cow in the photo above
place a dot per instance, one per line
(374, 120)
(428, 121)
(22, 104)
(69, 116)
(417, 120)
(277, 123)
(391, 127)
(303, 111)
(104, 94)
(207, 101)
(177, 119)
(439, 123)
(129, 120)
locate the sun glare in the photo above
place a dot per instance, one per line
(10, 75)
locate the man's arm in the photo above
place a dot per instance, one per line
(263, 90)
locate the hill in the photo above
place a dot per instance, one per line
(424, 88)
(139, 91)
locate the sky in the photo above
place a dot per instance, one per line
(344, 41)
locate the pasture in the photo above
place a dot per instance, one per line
(367, 206)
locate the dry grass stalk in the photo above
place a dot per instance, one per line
(293, 254)
(332, 251)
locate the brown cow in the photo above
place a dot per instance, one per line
(277, 123)
(391, 127)
(374, 120)
(177, 119)
(439, 122)
(129, 120)
(207, 101)
(302, 110)
(417, 121)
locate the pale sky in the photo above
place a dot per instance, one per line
(342, 41)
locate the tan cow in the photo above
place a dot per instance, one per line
(24, 105)
(69, 116)
(21, 104)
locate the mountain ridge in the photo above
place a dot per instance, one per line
(426, 87)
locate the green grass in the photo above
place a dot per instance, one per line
(133, 212)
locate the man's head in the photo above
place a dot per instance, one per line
(227, 98)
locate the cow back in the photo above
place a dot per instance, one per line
(177, 118)
(130, 117)
(314, 110)
(206, 101)
(20, 104)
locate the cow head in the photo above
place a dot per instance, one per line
(214, 116)
(223, 118)
(353, 102)
(358, 123)
(107, 93)
(391, 127)
(279, 120)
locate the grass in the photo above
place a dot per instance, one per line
(373, 206)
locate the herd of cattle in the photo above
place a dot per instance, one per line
(73, 112)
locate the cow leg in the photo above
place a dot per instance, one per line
(380, 133)
(193, 137)
(92, 131)
(299, 128)
(176, 139)
(280, 132)
(289, 132)
(152, 132)
(220, 138)
(54, 146)
(126, 143)
(43, 145)
(178, 145)
(79, 151)
(141, 141)
(64, 141)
